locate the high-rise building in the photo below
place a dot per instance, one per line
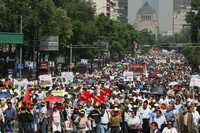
(107, 7)
(181, 4)
(181, 7)
(123, 10)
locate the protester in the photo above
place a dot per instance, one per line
(154, 128)
(159, 118)
(82, 122)
(155, 95)
(169, 128)
(105, 118)
(115, 120)
(56, 120)
(10, 117)
(95, 117)
(145, 115)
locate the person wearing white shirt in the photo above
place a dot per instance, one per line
(105, 118)
(169, 128)
(159, 119)
(145, 114)
(196, 118)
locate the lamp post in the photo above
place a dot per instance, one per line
(20, 55)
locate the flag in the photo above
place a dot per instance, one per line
(27, 98)
(85, 96)
(99, 99)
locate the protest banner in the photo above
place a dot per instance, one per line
(128, 76)
(68, 77)
(195, 81)
(45, 80)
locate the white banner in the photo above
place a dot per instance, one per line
(45, 80)
(195, 81)
(68, 76)
(128, 76)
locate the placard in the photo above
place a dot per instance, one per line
(45, 80)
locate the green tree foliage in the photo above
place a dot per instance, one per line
(73, 20)
(193, 18)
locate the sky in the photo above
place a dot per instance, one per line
(164, 8)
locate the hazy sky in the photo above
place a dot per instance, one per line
(164, 8)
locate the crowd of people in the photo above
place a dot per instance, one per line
(158, 101)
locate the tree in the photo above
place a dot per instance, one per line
(193, 18)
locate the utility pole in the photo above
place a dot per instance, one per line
(173, 17)
(71, 57)
(20, 56)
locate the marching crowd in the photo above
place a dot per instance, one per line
(158, 101)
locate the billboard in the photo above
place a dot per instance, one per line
(50, 43)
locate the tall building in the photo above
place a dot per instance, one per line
(107, 7)
(181, 4)
(147, 19)
(123, 10)
(181, 7)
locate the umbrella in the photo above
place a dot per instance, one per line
(54, 99)
(173, 83)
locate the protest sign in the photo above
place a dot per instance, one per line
(68, 77)
(195, 81)
(45, 80)
(128, 76)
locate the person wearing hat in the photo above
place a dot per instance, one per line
(82, 122)
(115, 120)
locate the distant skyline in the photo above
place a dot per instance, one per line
(164, 9)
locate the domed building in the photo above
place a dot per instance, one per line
(147, 19)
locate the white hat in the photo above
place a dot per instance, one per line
(116, 109)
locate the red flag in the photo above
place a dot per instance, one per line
(99, 99)
(85, 96)
(27, 99)
(108, 91)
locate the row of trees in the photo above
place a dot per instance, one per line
(73, 20)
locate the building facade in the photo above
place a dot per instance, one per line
(123, 10)
(181, 4)
(181, 7)
(115, 9)
(147, 20)
(107, 7)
